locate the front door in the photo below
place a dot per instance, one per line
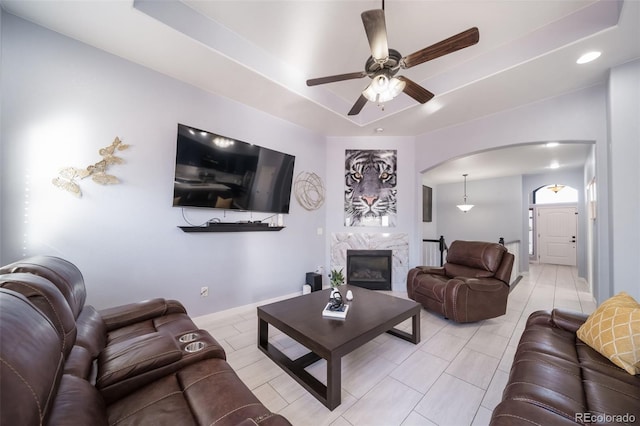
(557, 232)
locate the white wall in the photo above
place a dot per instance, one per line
(624, 188)
(497, 210)
(61, 102)
(580, 115)
(409, 205)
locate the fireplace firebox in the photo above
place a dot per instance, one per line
(369, 269)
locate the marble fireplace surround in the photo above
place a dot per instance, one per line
(398, 243)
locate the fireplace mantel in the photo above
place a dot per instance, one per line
(398, 243)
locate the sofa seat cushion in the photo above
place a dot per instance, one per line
(206, 393)
(526, 414)
(606, 394)
(547, 381)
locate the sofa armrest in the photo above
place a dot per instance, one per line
(474, 299)
(568, 320)
(482, 284)
(434, 270)
(135, 357)
(414, 273)
(121, 316)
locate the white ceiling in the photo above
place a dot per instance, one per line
(260, 53)
(530, 159)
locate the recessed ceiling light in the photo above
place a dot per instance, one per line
(379, 130)
(432, 106)
(588, 57)
(552, 144)
(554, 165)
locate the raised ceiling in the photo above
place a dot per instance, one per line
(260, 53)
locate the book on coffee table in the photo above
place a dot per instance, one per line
(338, 313)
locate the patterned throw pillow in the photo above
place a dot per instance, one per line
(614, 330)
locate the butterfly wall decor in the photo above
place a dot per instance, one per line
(67, 177)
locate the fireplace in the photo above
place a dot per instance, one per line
(369, 269)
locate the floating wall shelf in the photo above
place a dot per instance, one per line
(231, 227)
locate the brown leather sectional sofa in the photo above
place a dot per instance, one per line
(556, 379)
(65, 363)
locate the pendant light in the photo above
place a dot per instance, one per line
(555, 188)
(465, 207)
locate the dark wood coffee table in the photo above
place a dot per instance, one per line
(370, 314)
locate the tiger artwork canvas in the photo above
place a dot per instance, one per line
(370, 187)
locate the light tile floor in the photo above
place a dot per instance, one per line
(454, 376)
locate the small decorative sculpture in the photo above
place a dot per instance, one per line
(98, 171)
(335, 301)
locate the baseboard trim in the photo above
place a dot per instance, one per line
(240, 309)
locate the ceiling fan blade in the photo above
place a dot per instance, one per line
(357, 107)
(376, 30)
(416, 91)
(333, 78)
(459, 41)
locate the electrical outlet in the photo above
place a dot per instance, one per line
(204, 291)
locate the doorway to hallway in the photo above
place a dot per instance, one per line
(557, 235)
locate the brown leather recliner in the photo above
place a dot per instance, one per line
(473, 285)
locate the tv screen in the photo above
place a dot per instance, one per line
(219, 172)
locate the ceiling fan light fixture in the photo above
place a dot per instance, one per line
(380, 83)
(383, 89)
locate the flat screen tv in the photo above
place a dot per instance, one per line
(218, 172)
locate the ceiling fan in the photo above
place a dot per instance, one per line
(384, 63)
